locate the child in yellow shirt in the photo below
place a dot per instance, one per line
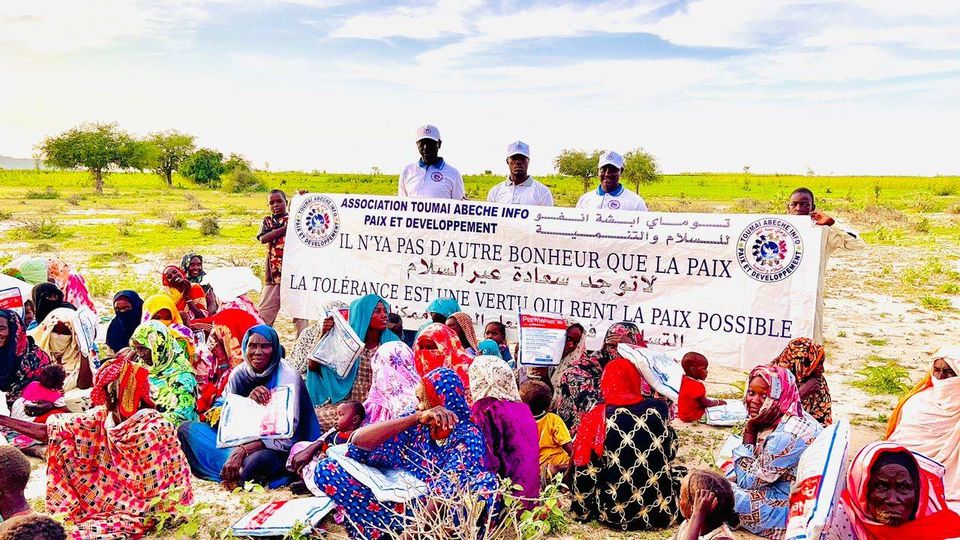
(556, 445)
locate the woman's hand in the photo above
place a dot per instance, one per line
(230, 474)
(327, 326)
(438, 417)
(313, 365)
(261, 395)
(38, 408)
(766, 419)
(704, 501)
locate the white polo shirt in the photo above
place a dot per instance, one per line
(436, 181)
(528, 192)
(621, 199)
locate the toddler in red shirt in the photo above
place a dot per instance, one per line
(693, 401)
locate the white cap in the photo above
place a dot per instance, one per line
(611, 158)
(518, 148)
(428, 132)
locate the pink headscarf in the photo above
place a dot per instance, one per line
(783, 389)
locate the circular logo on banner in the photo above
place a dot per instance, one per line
(613, 205)
(317, 221)
(437, 176)
(770, 250)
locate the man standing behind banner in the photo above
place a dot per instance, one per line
(801, 203)
(430, 177)
(611, 194)
(519, 188)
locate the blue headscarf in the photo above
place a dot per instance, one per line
(123, 325)
(325, 386)
(489, 347)
(444, 306)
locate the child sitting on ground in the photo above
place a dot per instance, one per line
(693, 401)
(497, 332)
(706, 502)
(556, 445)
(44, 397)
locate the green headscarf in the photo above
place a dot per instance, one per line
(172, 381)
(34, 271)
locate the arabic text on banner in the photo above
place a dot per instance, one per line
(735, 287)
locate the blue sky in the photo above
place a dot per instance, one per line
(842, 87)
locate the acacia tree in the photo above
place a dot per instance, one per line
(578, 163)
(640, 167)
(173, 148)
(204, 166)
(98, 148)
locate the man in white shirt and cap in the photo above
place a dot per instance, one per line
(611, 194)
(520, 188)
(430, 177)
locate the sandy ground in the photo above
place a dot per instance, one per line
(855, 314)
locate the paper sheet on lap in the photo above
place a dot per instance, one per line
(244, 420)
(387, 485)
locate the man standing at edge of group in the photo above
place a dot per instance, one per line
(430, 177)
(520, 188)
(611, 194)
(273, 231)
(802, 203)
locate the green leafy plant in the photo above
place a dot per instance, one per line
(936, 303)
(883, 379)
(246, 492)
(209, 226)
(48, 194)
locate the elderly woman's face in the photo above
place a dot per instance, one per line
(757, 392)
(942, 370)
(143, 353)
(259, 352)
(891, 494)
(4, 331)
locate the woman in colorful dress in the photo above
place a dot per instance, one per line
(20, 359)
(927, 420)
(394, 383)
(622, 455)
(578, 388)
(438, 346)
(128, 310)
(438, 444)
(189, 298)
(62, 336)
(227, 329)
(263, 460)
(105, 467)
(71, 283)
(173, 385)
(508, 427)
(160, 307)
(777, 432)
(804, 358)
(368, 318)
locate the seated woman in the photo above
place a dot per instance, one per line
(623, 476)
(368, 318)
(128, 309)
(775, 435)
(438, 444)
(890, 495)
(160, 307)
(192, 266)
(71, 283)
(189, 298)
(173, 385)
(927, 420)
(438, 346)
(105, 467)
(263, 460)
(21, 361)
(578, 388)
(804, 358)
(462, 325)
(394, 382)
(509, 430)
(61, 336)
(227, 329)
(46, 298)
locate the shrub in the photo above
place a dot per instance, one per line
(885, 379)
(75, 199)
(210, 226)
(5, 215)
(40, 229)
(49, 193)
(176, 222)
(241, 181)
(922, 225)
(193, 201)
(944, 191)
(935, 303)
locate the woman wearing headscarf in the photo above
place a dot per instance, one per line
(189, 298)
(108, 466)
(61, 335)
(890, 494)
(71, 283)
(368, 318)
(578, 389)
(438, 444)
(46, 298)
(508, 427)
(263, 460)
(173, 385)
(927, 420)
(462, 325)
(34, 271)
(192, 266)
(804, 358)
(777, 432)
(394, 383)
(438, 346)
(20, 359)
(622, 455)
(227, 328)
(160, 307)
(574, 350)
(128, 307)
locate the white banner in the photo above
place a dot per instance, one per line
(734, 287)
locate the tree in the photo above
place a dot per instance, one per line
(578, 163)
(98, 148)
(173, 148)
(640, 167)
(204, 166)
(236, 162)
